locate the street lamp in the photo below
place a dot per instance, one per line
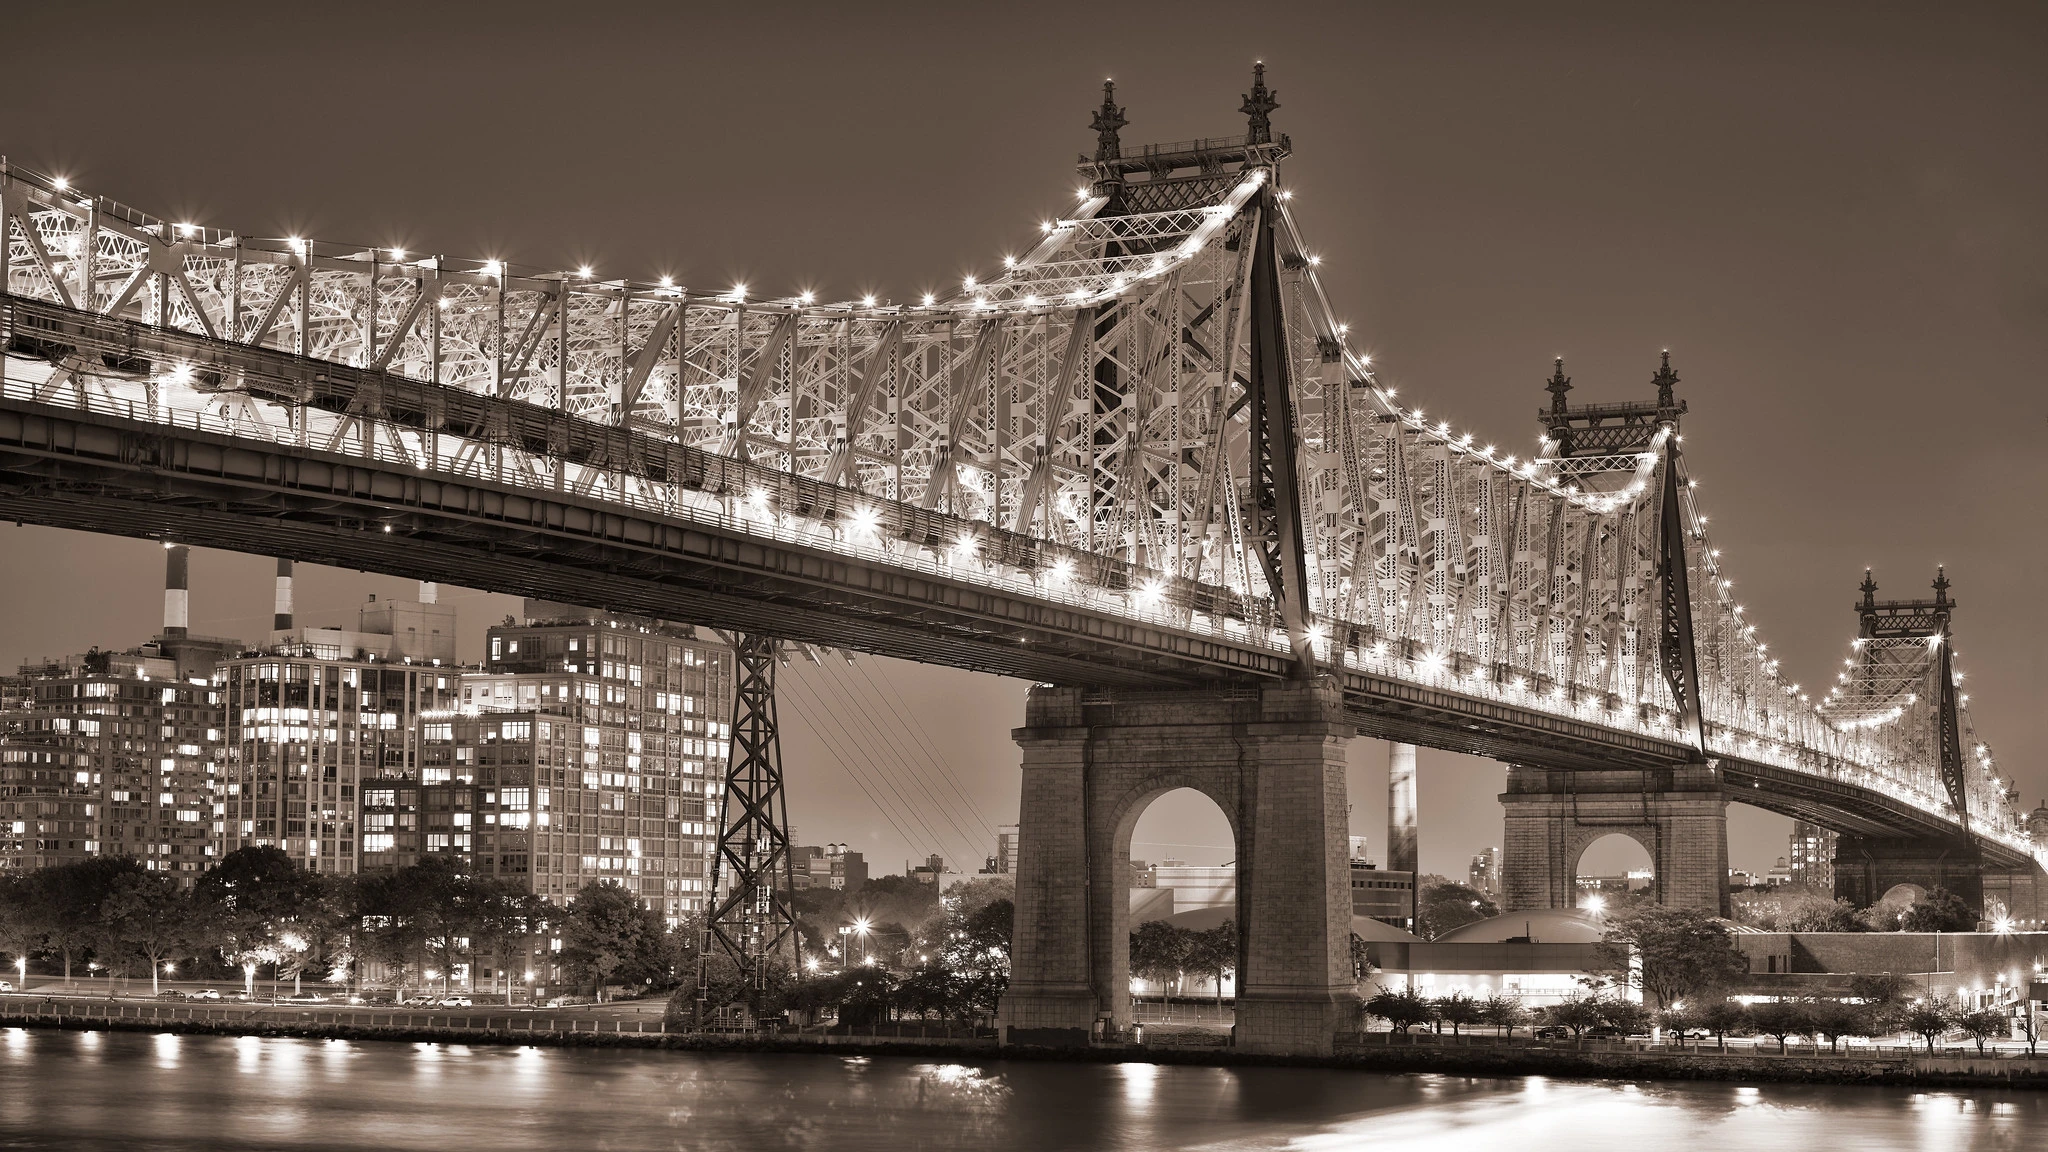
(21, 966)
(860, 928)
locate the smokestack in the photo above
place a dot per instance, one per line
(282, 621)
(428, 591)
(1402, 850)
(177, 594)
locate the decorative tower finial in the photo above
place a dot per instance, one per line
(1869, 591)
(1665, 380)
(1108, 119)
(1940, 584)
(1258, 107)
(1558, 386)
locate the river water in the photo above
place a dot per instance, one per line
(125, 1090)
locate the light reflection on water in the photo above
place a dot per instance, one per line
(124, 1090)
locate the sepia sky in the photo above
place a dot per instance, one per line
(1832, 214)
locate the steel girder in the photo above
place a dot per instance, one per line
(1084, 418)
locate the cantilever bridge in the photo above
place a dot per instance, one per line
(1141, 457)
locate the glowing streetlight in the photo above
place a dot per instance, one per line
(1596, 904)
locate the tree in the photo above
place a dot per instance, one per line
(608, 932)
(1627, 1017)
(1441, 905)
(1835, 1019)
(18, 936)
(1820, 914)
(1880, 989)
(1681, 951)
(1403, 1009)
(1780, 1018)
(264, 909)
(1505, 1012)
(978, 954)
(1985, 1024)
(1213, 953)
(146, 914)
(62, 904)
(1576, 1013)
(1930, 1019)
(1159, 951)
(1941, 911)
(1724, 1018)
(1456, 1009)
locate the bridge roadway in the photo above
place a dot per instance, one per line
(707, 549)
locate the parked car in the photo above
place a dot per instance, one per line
(1553, 1032)
(455, 1002)
(418, 1002)
(306, 998)
(204, 994)
(171, 994)
(6, 986)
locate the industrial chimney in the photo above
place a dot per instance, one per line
(282, 621)
(177, 594)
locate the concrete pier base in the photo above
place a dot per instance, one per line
(1273, 760)
(1678, 815)
(1866, 867)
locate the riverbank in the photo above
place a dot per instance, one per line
(1891, 1068)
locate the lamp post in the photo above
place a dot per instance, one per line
(21, 966)
(860, 928)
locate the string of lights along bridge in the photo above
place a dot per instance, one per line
(1141, 454)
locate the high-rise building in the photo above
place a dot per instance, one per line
(832, 866)
(1484, 875)
(637, 721)
(1004, 862)
(1811, 859)
(325, 720)
(114, 753)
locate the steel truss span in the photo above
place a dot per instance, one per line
(1141, 455)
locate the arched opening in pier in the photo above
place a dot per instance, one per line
(1614, 871)
(1181, 939)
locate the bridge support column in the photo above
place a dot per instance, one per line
(1273, 760)
(1679, 816)
(1866, 867)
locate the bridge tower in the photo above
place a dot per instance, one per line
(1890, 679)
(1271, 757)
(1678, 813)
(750, 915)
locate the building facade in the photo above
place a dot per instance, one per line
(622, 729)
(1484, 875)
(312, 740)
(322, 747)
(112, 754)
(1812, 856)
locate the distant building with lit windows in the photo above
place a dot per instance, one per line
(323, 720)
(112, 754)
(1812, 856)
(620, 734)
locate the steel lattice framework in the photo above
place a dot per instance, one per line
(1150, 418)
